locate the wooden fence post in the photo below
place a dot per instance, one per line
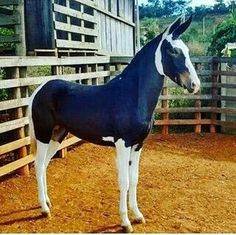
(84, 69)
(94, 68)
(107, 68)
(164, 104)
(20, 28)
(15, 73)
(215, 78)
(197, 105)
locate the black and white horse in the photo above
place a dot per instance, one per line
(118, 113)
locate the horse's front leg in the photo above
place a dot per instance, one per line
(123, 155)
(133, 182)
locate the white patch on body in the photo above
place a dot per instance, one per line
(158, 57)
(108, 139)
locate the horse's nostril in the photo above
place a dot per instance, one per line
(193, 85)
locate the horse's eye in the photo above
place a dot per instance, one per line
(173, 52)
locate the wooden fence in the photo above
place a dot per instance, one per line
(15, 91)
(202, 112)
(12, 18)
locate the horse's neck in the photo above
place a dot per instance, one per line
(149, 90)
(144, 72)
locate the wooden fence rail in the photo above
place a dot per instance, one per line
(20, 75)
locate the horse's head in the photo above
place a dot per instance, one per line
(174, 61)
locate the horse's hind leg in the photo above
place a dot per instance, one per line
(53, 146)
(40, 158)
(58, 135)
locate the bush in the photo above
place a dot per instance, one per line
(225, 32)
(7, 32)
(149, 30)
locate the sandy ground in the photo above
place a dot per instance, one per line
(187, 184)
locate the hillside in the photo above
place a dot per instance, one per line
(197, 37)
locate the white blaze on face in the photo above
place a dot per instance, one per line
(193, 75)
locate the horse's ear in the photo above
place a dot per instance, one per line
(181, 28)
(173, 26)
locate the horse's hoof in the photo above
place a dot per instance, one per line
(46, 214)
(128, 229)
(140, 220)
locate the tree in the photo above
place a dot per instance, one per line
(225, 32)
(220, 7)
(157, 8)
(149, 30)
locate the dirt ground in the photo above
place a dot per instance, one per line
(187, 184)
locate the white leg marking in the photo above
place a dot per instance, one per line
(133, 180)
(123, 155)
(52, 149)
(40, 169)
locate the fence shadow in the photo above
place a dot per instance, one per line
(9, 221)
(109, 229)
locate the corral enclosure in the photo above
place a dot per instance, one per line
(79, 36)
(89, 42)
(186, 179)
(201, 112)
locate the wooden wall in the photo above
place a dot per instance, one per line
(104, 26)
(12, 18)
(39, 26)
(116, 27)
(75, 24)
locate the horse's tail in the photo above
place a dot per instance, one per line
(33, 146)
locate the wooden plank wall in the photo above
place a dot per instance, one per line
(12, 17)
(103, 25)
(116, 27)
(75, 24)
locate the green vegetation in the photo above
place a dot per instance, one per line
(3, 92)
(6, 32)
(198, 37)
(225, 32)
(212, 27)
